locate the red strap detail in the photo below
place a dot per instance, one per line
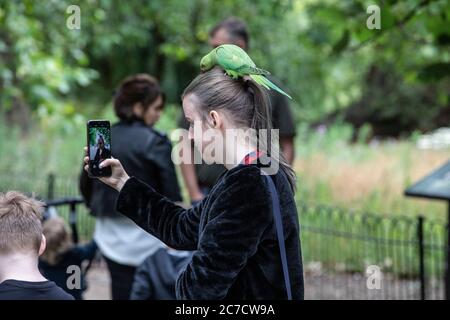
(252, 157)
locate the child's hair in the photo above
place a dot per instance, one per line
(20, 223)
(140, 88)
(58, 238)
(246, 103)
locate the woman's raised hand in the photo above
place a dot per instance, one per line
(118, 175)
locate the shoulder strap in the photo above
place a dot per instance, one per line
(280, 233)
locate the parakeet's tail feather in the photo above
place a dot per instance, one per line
(266, 83)
(259, 80)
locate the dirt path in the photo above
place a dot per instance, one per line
(328, 287)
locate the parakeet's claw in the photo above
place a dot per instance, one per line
(228, 74)
(232, 74)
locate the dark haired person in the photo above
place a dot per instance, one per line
(233, 230)
(102, 152)
(200, 178)
(138, 103)
(232, 30)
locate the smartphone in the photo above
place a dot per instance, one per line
(99, 147)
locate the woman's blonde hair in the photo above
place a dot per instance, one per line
(58, 238)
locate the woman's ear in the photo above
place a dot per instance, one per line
(138, 110)
(216, 119)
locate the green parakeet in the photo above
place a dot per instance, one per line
(237, 63)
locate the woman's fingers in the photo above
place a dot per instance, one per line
(86, 163)
(109, 162)
(118, 176)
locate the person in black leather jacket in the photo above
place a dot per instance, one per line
(146, 152)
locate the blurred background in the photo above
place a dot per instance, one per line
(371, 109)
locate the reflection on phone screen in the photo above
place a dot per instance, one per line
(99, 145)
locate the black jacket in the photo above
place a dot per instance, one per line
(144, 153)
(232, 232)
(155, 278)
(73, 257)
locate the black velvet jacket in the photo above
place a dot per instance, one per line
(232, 232)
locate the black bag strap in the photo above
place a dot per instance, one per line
(280, 233)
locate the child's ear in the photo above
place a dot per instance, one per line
(43, 245)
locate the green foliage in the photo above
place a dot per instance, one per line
(42, 61)
(321, 50)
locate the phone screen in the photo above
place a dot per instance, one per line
(99, 146)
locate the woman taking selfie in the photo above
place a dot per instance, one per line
(233, 231)
(145, 153)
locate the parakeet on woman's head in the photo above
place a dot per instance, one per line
(237, 63)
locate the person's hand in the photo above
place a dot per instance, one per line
(118, 175)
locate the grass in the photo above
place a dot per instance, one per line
(367, 177)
